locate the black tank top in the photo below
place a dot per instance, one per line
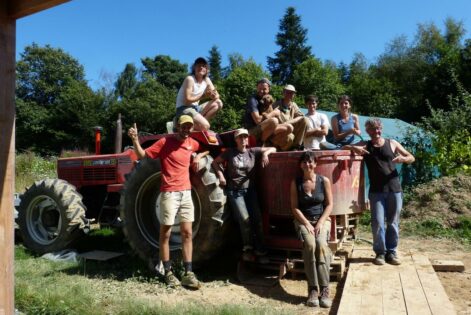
(382, 171)
(311, 206)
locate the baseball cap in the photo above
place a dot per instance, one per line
(240, 131)
(200, 60)
(289, 87)
(185, 119)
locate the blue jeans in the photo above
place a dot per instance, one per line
(244, 205)
(385, 206)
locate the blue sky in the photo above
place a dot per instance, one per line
(104, 35)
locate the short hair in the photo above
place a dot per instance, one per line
(373, 123)
(308, 156)
(264, 81)
(344, 98)
(311, 98)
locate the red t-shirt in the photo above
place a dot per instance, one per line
(175, 157)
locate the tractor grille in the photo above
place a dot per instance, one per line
(70, 174)
(99, 173)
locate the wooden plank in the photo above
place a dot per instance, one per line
(350, 302)
(448, 265)
(21, 8)
(371, 291)
(7, 158)
(393, 297)
(414, 296)
(437, 298)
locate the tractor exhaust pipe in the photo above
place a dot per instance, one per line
(118, 139)
(98, 131)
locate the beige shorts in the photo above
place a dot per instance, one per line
(173, 203)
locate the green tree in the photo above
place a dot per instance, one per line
(165, 70)
(292, 39)
(235, 89)
(127, 81)
(55, 106)
(323, 80)
(214, 61)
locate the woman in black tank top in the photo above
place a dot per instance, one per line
(311, 204)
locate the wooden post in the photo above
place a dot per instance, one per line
(7, 157)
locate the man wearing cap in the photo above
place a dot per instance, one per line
(240, 188)
(290, 114)
(175, 152)
(263, 126)
(197, 87)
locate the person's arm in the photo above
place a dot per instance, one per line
(403, 156)
(217, 167)
(317, 132)
(273, 114)
(188, 84)
(328, 205)
(266, 151)
(133, 134)
(358, 148)
(196, 160)
(298, 215)
(211, 91)
(356, 125)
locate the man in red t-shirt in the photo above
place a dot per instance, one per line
(175, 152)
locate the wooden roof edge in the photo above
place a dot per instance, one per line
(21, 8)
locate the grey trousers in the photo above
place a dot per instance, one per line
(316, 254)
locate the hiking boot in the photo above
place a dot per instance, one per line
(189, 280)
(324, 300)
(392, 259)
(171, 280)
(379, 260)
(312, 298)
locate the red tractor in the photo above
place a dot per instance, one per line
(117, 190)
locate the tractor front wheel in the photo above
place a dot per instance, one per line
(50, 216)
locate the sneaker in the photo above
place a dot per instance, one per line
(379, 260)
(189, 280)
(171, 280)
(313, 298)
(392, 259)
(324, 300)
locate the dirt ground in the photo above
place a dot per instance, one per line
(288, 295)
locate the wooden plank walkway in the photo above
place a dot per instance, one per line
(412, 288)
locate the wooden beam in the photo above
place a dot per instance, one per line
(7, 158)
(448, 265)
(21, 8)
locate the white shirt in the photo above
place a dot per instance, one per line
(317, 120)
(197, 88)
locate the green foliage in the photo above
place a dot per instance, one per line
(215, 67)
(323, 80)
(443, 145)
(30, 167)
(165, 70)
(127, 81)
(292, 39)
(55, 106)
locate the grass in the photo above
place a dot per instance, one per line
(120, 286)
(30, 168)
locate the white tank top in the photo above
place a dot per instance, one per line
(198, 88)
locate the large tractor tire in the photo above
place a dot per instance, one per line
(140, 212)
(50, 216)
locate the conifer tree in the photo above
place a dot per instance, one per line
(214, 61)
(292, 39)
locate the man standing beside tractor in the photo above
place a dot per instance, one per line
(385, 194)
(175, 152)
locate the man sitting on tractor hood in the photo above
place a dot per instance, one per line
(175, 152)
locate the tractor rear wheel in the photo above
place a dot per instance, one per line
(50, 216)
(140, 212)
